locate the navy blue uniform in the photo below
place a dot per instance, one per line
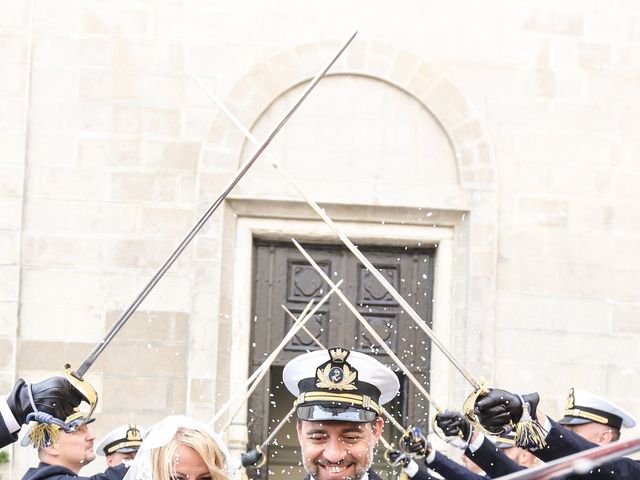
(492, 460)
(562, 442)
(56, 472)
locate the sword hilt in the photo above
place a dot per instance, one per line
(84, 388)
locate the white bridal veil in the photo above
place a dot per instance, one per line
(159, 435)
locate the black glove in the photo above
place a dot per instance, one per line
(396, 457)
(413, 443)
(499, 407)
(251, 458)
(55, 396)
(454, 424)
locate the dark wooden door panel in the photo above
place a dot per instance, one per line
(283, 277)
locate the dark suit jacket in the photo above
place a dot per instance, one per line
(451, 470)
(492, 460)
(56, 472)
(562, 442)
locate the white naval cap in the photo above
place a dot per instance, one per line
(123, 439)
(584, 407)
(339, 385)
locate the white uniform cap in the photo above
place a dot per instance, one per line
(339, 385)
(584, 407)
(124, 439)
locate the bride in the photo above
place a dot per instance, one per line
(180, 448)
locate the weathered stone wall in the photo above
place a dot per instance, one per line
(110, 152)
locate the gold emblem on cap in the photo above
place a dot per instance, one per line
(571, 400)
(133, 434)
(337, 374)
(338, 355)
(336, 378)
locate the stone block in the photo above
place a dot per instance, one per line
(96, 118)
(110, 20)
(53, 115)
(50, 321)
(544, 278)
(166, 221)
(67, 251)
(11, 178)
(6, 352)
(202, 391)
(483, 264)
(109, 85)
(624, 284)
(143, 187)
(163, 123)
(38, 355)
(595, 56)
(9, 283)
(50, 286)
(587, 215)
(54, 82)
(171, 155)
(127, 120)
(145, 326)
(51, 217)
(164, 91)
(72, 183)
(626, 218)
(139, 253)
(554, 21)
(46, 149)
(150, 57)
(624, 249)
(108, 152)
(151, 359)
(178, 396)
(97, 52)
(15, 17)
(13, 47)
(553, 313)
(13, 79)
(543, 212)
(12, 146)
(186, 189)
(626, 318)
(53, 48)
(207, 248)
(9, 316)
(121, 392)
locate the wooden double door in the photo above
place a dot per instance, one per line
(283, 277)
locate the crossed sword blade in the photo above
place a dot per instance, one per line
(383, 281)
(77, 377)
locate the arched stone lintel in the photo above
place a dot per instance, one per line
(263, 85)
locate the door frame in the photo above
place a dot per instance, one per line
(276, 220)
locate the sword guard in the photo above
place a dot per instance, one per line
(85, 389)
(468, 409)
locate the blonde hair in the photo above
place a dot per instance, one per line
(201, 442)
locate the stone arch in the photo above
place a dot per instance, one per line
(254, 93)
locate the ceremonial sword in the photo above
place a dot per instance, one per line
(76, 378)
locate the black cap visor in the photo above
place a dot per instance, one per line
(573, 421)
